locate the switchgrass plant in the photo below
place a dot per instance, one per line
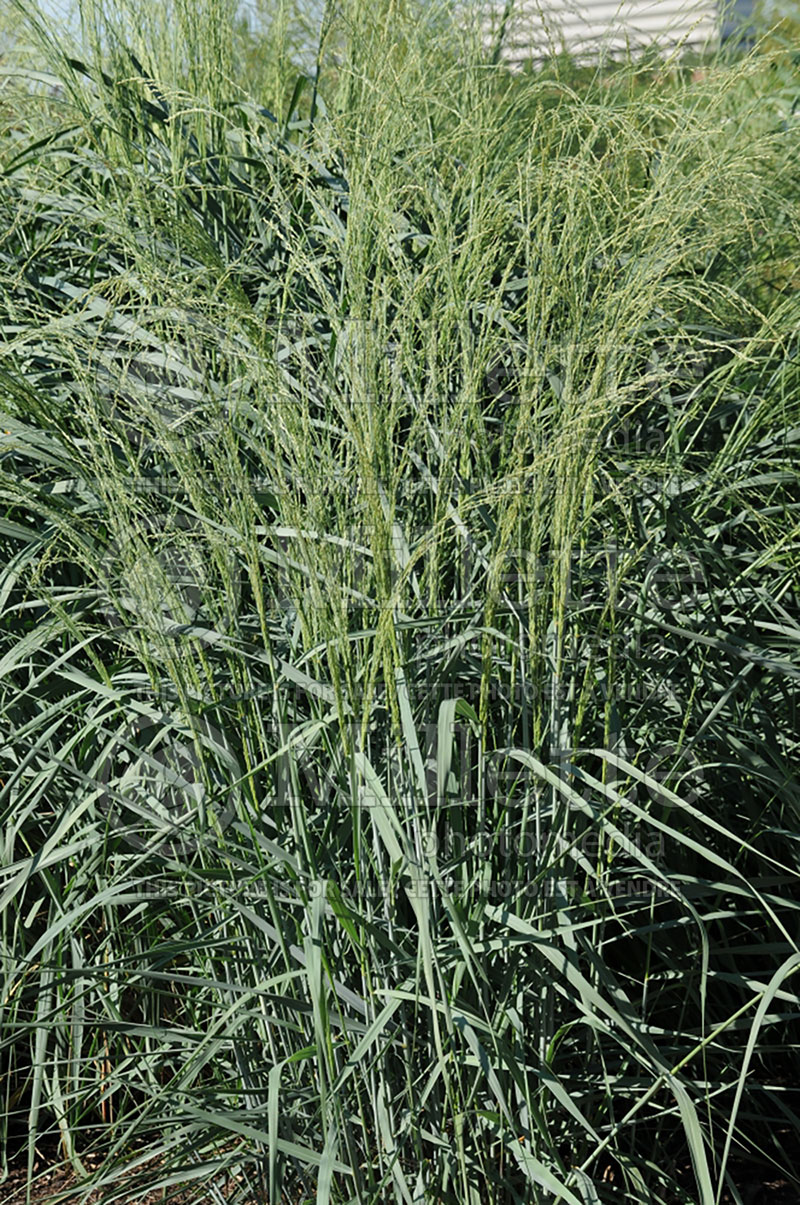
(398, 625)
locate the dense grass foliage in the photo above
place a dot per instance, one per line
(399, 618)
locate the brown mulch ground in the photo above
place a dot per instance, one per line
(50, 1184)
(52, 1181)
(56, 1181)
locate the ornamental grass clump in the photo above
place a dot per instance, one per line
(398, 618)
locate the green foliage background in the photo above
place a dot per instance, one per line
(398, 613)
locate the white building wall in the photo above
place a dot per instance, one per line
(539, 28)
